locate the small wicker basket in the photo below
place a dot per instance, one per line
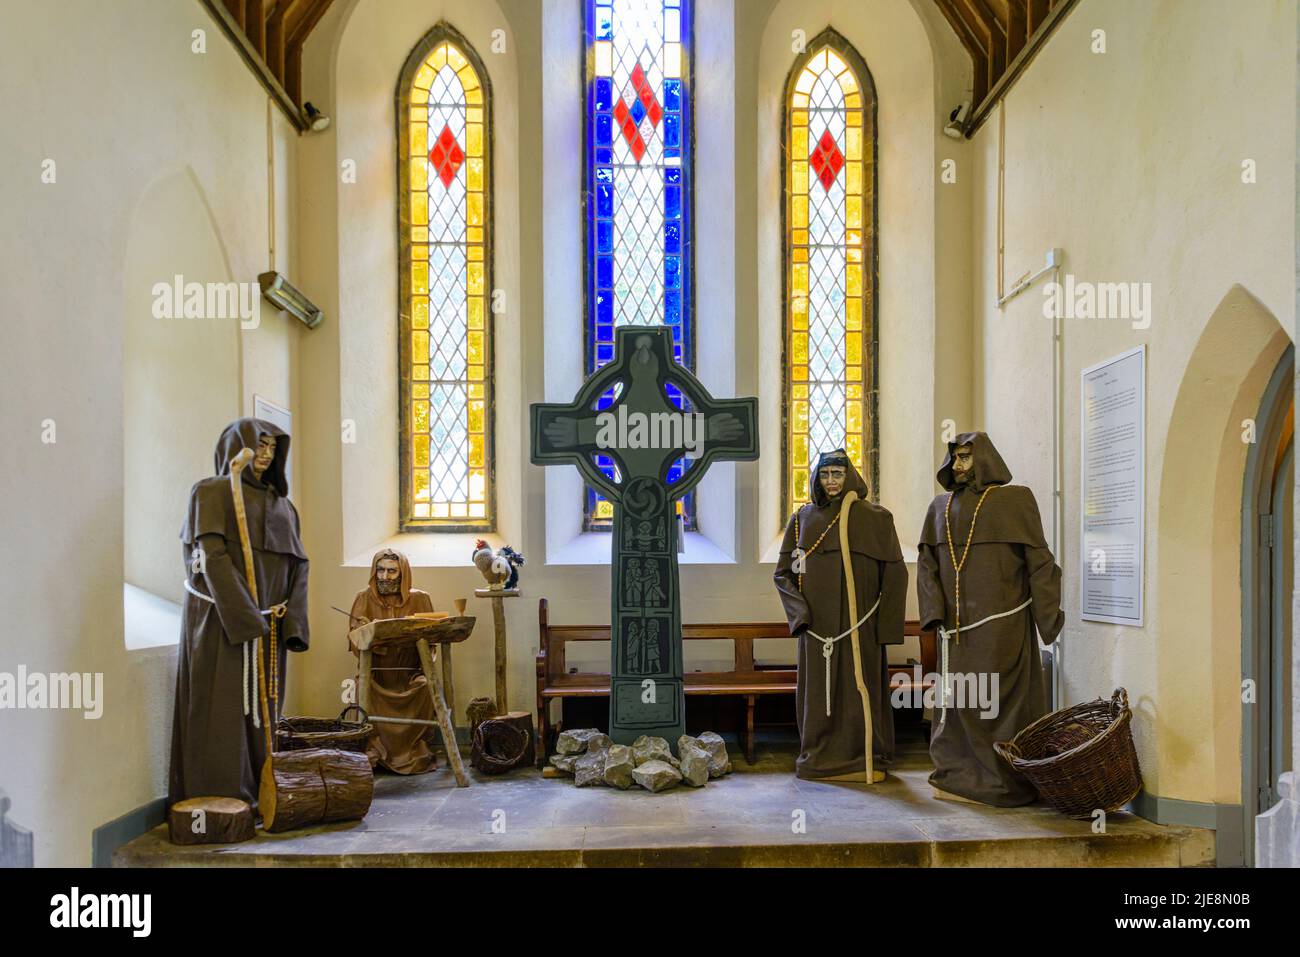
(297, 734)
(1080, 758)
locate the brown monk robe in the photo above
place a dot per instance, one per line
(397, 685)
(834, 745)
(217, 750)
(1008, 565)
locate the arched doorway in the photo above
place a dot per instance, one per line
(1267, 536)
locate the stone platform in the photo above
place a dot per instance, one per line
(747, 818)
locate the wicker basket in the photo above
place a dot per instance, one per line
(500, 746)
(297, 734)
(1080, 758)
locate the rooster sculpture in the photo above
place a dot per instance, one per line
(500, 568)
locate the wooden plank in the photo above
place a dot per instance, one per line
(236, 8)
(276, 38)
(255, 26)
(986, 26)
(1017, 32)
(1037, 15)
(744, 654)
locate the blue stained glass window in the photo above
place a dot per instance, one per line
(638, 159)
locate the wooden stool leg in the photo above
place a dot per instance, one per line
(448, 688)
(363, 692)
(434, 677)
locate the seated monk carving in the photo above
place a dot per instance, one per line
(398, 688)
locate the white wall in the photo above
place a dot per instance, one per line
(113, 94)
(1131, 162)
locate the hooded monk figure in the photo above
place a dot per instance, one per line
(840, 687)
(397, 686)
(984, 579)
(218, 736)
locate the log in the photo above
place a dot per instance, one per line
(314, 786)
(210, 820)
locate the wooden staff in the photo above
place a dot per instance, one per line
(237, 464)
(849, 498)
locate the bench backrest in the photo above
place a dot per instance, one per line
(742, 635)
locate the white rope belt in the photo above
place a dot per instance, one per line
(828, 647)
(943, 651)
(253, 653)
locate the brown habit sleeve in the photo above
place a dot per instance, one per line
(296, 633)
(929, 590)
(787, 585)
(893, 603)
(1045, 591)
(240, 618)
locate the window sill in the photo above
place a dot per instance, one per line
(148, 620)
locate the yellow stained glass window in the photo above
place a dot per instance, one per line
(829, 264)
(446, 348)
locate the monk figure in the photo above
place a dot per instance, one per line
(844, 615)
(985, 580)
(226, 649)
(398, 688)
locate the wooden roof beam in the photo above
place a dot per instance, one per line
(968, 38)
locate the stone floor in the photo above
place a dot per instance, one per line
(747, 818)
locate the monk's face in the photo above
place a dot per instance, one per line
(832, 478)
(963, 464)
(388, 576)
(264, 455)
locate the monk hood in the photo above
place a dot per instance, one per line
(272, 520)
(988, 468)
(852, 480)
(403, 580)
(245, 434)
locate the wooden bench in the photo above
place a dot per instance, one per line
(745, 679)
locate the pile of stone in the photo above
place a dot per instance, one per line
(593, 759)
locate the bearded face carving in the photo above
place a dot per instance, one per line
(388, 576)
(963, 463)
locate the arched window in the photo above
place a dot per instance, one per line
(830, 276)
(444, 124)
(638, 199)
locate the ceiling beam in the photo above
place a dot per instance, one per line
(979, 59)
(1001, 37)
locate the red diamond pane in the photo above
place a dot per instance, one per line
(638, 147)
(655, 113)
(638, 78)
(446, 156)
(826, 160)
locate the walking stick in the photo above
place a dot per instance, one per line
(237, 465)
(849, 498)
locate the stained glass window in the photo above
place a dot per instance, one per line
(445, 189)
(830, 263)
(638, 199)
